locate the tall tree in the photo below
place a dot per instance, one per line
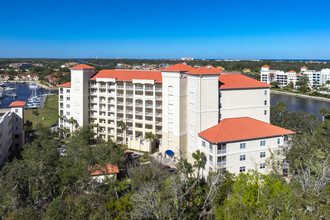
(323, 112)
(200, 160)
(36, 114)
(122, 126)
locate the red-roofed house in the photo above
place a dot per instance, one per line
(100, 173)
(243, 143)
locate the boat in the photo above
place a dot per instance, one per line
(9, 89)
(33, 86)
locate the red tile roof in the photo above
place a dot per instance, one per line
(82, 66)
(17, 104)
(265, 66)
(108, 169)
(304, 67)
(180, 67)
(239, 129)
(292, 71)
(204, 70)
(239, 81)
(128, 75)
(68, 84)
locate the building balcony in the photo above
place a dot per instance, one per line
(158, 89)
(158, 123)
(222, 151)
(138, 87)
(120, 103)
(138, 113)
(120, 87)
(158, 131)
(129, 95)
(120, 94)
(138, 104)
(149, 105)
(120, 110)
(158, 97)
(129, 87)
(129, 103)
(149, 88)
(129, 112)
(149, 113)
(158, 106)
(222, 163)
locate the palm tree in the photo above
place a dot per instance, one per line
(72, 121)
(28, 125)
(199, 163)
(281, 106)
(323, 112)
(150, 136)
(122, 125)
(36, 114)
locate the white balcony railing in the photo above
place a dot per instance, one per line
(222, 151)
(221, 163)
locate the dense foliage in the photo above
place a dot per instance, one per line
(44, 185)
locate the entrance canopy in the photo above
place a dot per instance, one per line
(169, 153)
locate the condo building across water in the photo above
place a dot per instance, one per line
(226, 116)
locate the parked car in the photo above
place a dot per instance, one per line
(62, 151)
(134, 156)
(171, 170)
(128, 153)
(165, 167)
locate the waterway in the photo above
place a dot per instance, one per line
(23, 93)
(296, 104)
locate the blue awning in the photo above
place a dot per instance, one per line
(169, 153)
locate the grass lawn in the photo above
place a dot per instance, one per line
(48, 115)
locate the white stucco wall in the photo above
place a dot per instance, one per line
(245, 103)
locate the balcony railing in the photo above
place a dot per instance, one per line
(129, 87)
(221, 163)
(120, 87)
(129, 103)
(120, 94)
(138, 104)
(119, 103)
(149, 88)
(158, 97)
(138, 87)
(158, 131)
(158, 88)
(129, 95)
(222, 151)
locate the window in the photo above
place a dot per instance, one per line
(265, 112)
(211, 149)
(67, 113)
(262, 154)
(265, 92)
(242, 157)
(16, 110)
(16, 119)
(68, 98)
(16, 136)
(262, 143)
(68, 105)
(16, 128)
(68, 90)
(265, 102)
(210, 159)
(242, 145)
(262, 166)
(203, 143)
(242, 169)
(278, 140)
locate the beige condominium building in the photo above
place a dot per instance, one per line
(184, 107)
(11, 130)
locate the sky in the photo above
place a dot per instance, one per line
(232, 29)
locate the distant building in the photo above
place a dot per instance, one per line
(187, 58)
(20, 65)
(11, 130)
(315, 78)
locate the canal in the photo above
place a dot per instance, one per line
(296, 104)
